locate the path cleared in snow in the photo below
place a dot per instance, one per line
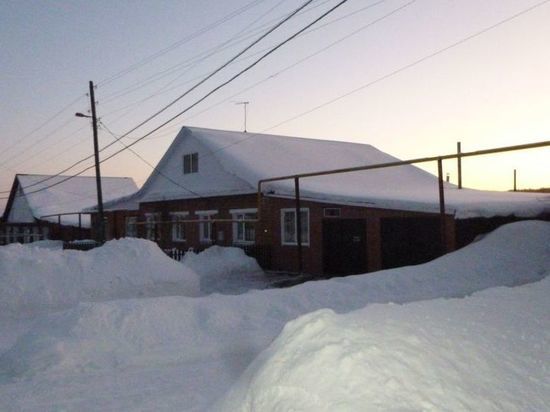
(187, 352)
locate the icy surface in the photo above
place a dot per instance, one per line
(37, 279)
(234, 162)
(68, 197)
(185, 353)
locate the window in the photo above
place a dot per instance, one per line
(131, 226)
(205, 229)
(288, 226)
(178, 226)
(152, 226)
(244, 232)
(190, 163)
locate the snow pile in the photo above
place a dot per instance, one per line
(224, 269)
(487, 352)
(45, 244)
(161, 353)
(34, 279)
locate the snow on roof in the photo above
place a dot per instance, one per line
(246, 158)
(71, 196)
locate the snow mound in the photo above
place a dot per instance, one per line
(35, 279)
(146, 332)
(224, 269)
(486, 352)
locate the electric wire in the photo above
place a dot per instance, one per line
(280, 23)
(43, 124)
(199, 58)
(155, 169)
(180, 42)
(362, 87)
(165, 88)
(240, 73)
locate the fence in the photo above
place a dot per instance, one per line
(262, 253)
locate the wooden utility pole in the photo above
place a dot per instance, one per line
(101, 223)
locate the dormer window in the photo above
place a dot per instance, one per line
(190, 163)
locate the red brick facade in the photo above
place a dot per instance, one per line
(268, 232)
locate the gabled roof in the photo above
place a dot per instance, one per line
(234, 162)
(32, 197)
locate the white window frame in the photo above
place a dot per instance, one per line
(205, 229)
(193, 164)
(152, 226)
(240, 214)
(305, 239)
(178, 227)
(130, 226)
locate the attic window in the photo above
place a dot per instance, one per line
(190, 163)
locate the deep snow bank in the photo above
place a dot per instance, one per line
(224, 269)
(488, 352)
(35, 279)
(157, 331)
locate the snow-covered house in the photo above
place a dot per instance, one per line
(47, 207)
(204, 191)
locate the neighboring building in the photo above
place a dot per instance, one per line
(38, 208)
(204, 191)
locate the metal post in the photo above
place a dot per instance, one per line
(101, 223)
(298, 224)
(441, 205)
(515, 181)
(80, 226)
(459, 164)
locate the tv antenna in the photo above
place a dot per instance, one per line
(244, 104)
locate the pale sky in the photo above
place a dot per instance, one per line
(489, 90)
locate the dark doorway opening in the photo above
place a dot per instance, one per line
(344, 246)
(410, 241)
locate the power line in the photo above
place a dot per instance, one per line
(200, 57)
(240, 73)
(288, 17)
(220, 68)
(164, 89)
(427, 57)
(46, 122)
(180, 42)
(155, 169)
(410, 65)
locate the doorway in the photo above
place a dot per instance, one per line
(344, 246)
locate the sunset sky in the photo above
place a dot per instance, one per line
(411, 77)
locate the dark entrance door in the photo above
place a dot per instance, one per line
(344, 246)
(410, 241)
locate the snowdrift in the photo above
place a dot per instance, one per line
(36, 279)
(486, 352)
(224, 269)
(148, 332)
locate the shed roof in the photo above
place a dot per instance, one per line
(36, 196)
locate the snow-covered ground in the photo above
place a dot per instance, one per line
(467, 331)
